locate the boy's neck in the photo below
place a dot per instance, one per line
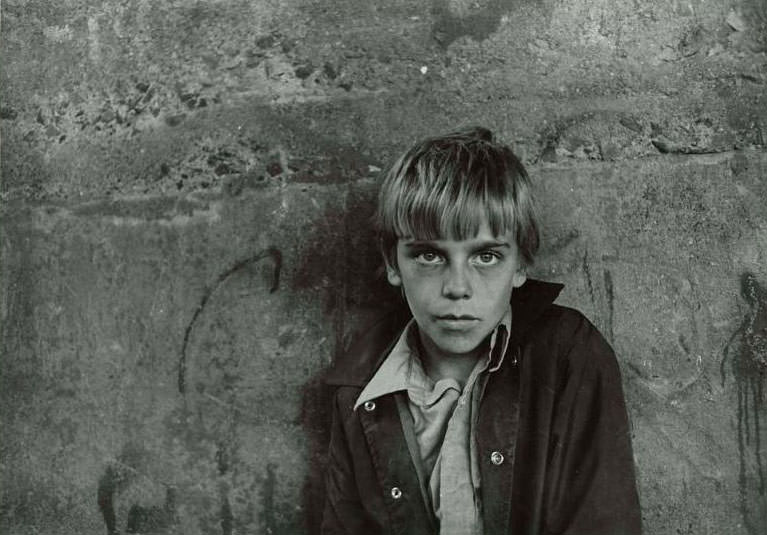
(441, 365)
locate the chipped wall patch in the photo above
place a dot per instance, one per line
(58, 34)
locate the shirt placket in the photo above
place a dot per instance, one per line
(459, 510)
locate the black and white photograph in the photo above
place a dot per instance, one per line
(362, 267)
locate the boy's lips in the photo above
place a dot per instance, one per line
(457, 321)
(456, 317)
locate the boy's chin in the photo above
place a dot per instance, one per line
(450, 346)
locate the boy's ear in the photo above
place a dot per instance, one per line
(393, 275)
(519, 277)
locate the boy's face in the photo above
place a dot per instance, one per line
(457, 290)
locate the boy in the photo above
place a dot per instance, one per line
(491, 410)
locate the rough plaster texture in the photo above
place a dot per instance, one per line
(186, 187)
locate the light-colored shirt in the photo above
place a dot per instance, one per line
(443, 416)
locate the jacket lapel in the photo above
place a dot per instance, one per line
(496, 440)
(394, 466)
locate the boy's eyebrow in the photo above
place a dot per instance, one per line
(487, 244)
(493, 243)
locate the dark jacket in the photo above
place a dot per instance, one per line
(554, 411)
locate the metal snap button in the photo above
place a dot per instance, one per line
(396, 493)
(369, 406)
(496, 458)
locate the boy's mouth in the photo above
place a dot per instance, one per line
(457, 317)
(457, 321)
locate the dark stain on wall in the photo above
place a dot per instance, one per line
(267, 513)
(479, 22)
(587, 273)
(336, 164)
(223, 463)
(153, 519)
(610, 303)
(223, 458)
(227, 517)
(18, 328)
(270, 252)
(105, 498)
(745, 356)
(602, 298)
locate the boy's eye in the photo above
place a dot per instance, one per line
(428, 258)
(487, 258)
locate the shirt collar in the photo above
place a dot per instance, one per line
(394, 372)
(400, 369)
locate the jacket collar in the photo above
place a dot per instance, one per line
(356, 366)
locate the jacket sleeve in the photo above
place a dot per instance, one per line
(591, 487)
(344, 513)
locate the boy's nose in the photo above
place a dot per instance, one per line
(456, 284)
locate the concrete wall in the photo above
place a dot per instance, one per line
(185, 193)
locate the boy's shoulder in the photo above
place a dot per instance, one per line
(369, 345)
(561, 323)
(532, 306)
(565, 343)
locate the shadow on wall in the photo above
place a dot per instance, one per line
(315, 419)
(344, 259)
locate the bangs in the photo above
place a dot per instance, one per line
(453, 209)
(451, 190)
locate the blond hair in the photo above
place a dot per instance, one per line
(445, 187)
